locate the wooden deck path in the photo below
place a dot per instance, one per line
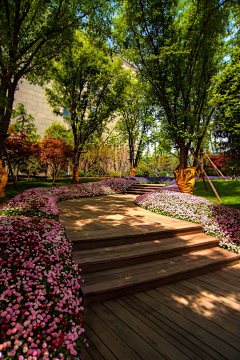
(126, 253)
(198, 318)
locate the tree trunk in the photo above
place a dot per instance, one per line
(76, 158)
(183, 156)
(5, 111)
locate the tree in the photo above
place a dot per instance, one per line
(87, 85)
(226, 99)
(33, 33)
(177, 47)
(24, 122)
(56, 153)
(20, 148)
(136, 119)
(59, 132)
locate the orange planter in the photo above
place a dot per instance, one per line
(185, 179)
(132, 172)
(3, 180)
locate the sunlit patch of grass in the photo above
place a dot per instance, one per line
(229, 192)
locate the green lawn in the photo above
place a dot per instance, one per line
(229, 192)
(24, 185)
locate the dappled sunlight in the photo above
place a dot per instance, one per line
(110, 214)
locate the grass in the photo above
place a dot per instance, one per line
(24, 185)
(229, 192)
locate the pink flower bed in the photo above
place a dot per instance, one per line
(217, 220)
(40, 296)
(43, 201)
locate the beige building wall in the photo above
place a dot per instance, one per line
(35, 102)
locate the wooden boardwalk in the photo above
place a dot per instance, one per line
(141, 299)
(198, 318)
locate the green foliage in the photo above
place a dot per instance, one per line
(81, 173)
(178, 47)
(88, 84)
(226, 99)
(114, 174)
(59, 132)
(229, 192)
(136, 119)
(33, 33)
(143, 170)
(96, 169)
(24, 122)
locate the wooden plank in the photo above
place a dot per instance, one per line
(227, 277)
(114, 343)
(234, 271)
(209, 330)
(158, 317)
(160, 344)
(215, 293)
(85, 355)
(97, 349)
(194, 332)
(199, 319)
(139, 346)
(163, 267)
(160, 328)
(227, 288)
(111, 252)
(210, 305)
(137, 249)
(196, 303)
(220, 301)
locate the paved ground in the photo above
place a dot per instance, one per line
(107, 216)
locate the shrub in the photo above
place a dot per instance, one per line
(143, 170)
(114, 174)
(81, 173)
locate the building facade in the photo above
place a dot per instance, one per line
(35, 102)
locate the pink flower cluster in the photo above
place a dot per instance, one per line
(41, 314)
(43, 201)
(41, 311)
(217, 220)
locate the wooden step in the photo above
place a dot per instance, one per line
(107, 284)
(138, 192)
(147, 186)
(140, 189)
(124, 255)
(146, 234)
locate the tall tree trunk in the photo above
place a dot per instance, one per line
(183, 156)
(197, 151)
(5, 110)
(76, 158)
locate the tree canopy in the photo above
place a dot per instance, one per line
(177, 46)
(34, 32)
(137, 119)
(226, 100)
(59, 132)
(87, 88)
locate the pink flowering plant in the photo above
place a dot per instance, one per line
(217, 220)
(41, 314)
(42, 202)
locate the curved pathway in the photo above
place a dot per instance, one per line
(113, 215)
(194, 318)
